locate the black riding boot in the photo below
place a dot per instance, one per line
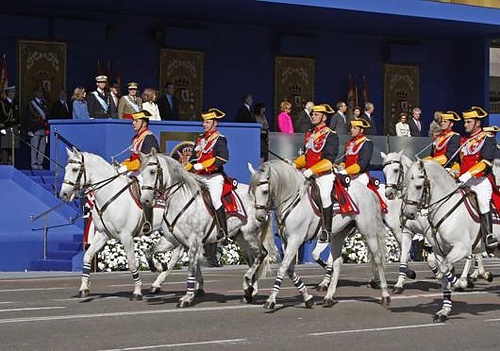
(487, 231)
(324, 234)
(220, 215)
(147, 228)
(211, 254)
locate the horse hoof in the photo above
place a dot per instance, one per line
(84, 293)
(470, 284)
(374, 284)
(397, 290)
(488, 276)
(154, 290)
(328, 303)
(386, 301)
(136, 297)
(199, 293)
(269, 305)
(321, 288)
(309, 302)
(248, 295)
(440, 318)
(410, 273)
(183, 304)
(151, 266)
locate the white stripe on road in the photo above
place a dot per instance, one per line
(211, 342)
(128, 313)
(32, 289)
(167, 283)
(493, 320)
(377, 329)
(32, 309)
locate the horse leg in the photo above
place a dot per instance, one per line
(465, 272)
(404, 271)
(316, 253)
(458, 252)
(176, 255)
(323, 285)
(301, 287)
(432, 262)
(128, 245)
(188, 298)
(444, 312)
(378, 260)
(289, 256)
(98, 242)
(199, 281)
(336, 262)
(482, 272)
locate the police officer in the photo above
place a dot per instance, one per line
(476, 156)
(143, 141)
(446, 144)
(208, 159)
(321, 149)
(358, 152)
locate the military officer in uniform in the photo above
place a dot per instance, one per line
(208, 159)
(321, 149)
(142, 142)
(358, 152)
(98, 101)
(9, 118)
(446, 144)
(476, 156)
(130, 103)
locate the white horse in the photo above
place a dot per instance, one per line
(395, 165)
(188, 222)
(279, 186)
(116, 214)
(454, 234)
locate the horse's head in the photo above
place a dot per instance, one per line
(152, 177)
(259, 187)
(417, 189)
(393, 172)
(75, 177)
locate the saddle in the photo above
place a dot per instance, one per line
(342, 202)
(473, 207)
(230, 200)
(373, 184)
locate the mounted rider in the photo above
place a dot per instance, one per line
(446, 144)
(476, 156)
(142, 142)
(321, 149)
(208, 159)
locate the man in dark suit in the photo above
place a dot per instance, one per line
(368, 116)
(338, 123)
(99, 100)
(168, 104)
(61, 109)
(114, 91)
(302, 121)
(245, 114)
(414, 122)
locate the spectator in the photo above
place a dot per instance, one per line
(114, 91)
(99, 101)
(415, 124)
(302, 122)
(149, 104)
(435, 126)
(39, 128)
(356, 113)
(368, 116)
(60, 109)
(339, 121)
(402, 127)
(131, 103)
(168, 105)
(260, 117)
(284, 119)
(244, 114)
(80, 110)
(9, 118)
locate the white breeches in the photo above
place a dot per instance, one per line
(325, 185)
(361, 178)
(482, 187)
(214, 183)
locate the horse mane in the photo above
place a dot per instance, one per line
(438, 175)
(99, 161)
(179, 174)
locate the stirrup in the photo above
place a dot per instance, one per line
(490, 241)
(147, 228)
(323, 236)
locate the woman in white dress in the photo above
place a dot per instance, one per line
(149, 104)
(402, 127)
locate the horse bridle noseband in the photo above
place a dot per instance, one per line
(398, 186)
(77, 185)
(424, 201)
(158, 187)
(268, 206)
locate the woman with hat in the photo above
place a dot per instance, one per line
(476, 156)
(131, 103)
(208, 159)
(142, 142)
(446, 144)
(321, 149)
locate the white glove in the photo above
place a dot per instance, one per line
(342, 171)
(307, 173)
(465, 177)
(122, 169)
(198, 166)
(30, 134)
(3, 131)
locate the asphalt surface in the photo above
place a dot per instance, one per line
(40, 311)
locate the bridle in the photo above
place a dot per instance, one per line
(158, 187)
(77, 184)
(425, 198)
(398, 186)
(268, 206)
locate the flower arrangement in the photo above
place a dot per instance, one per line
(355, 250)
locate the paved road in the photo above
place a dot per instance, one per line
(40, 312)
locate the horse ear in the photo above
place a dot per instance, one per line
(250, 168)
(69, 152)
(153, 152)
(382, 154)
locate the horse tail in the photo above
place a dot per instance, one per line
(269, 246)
